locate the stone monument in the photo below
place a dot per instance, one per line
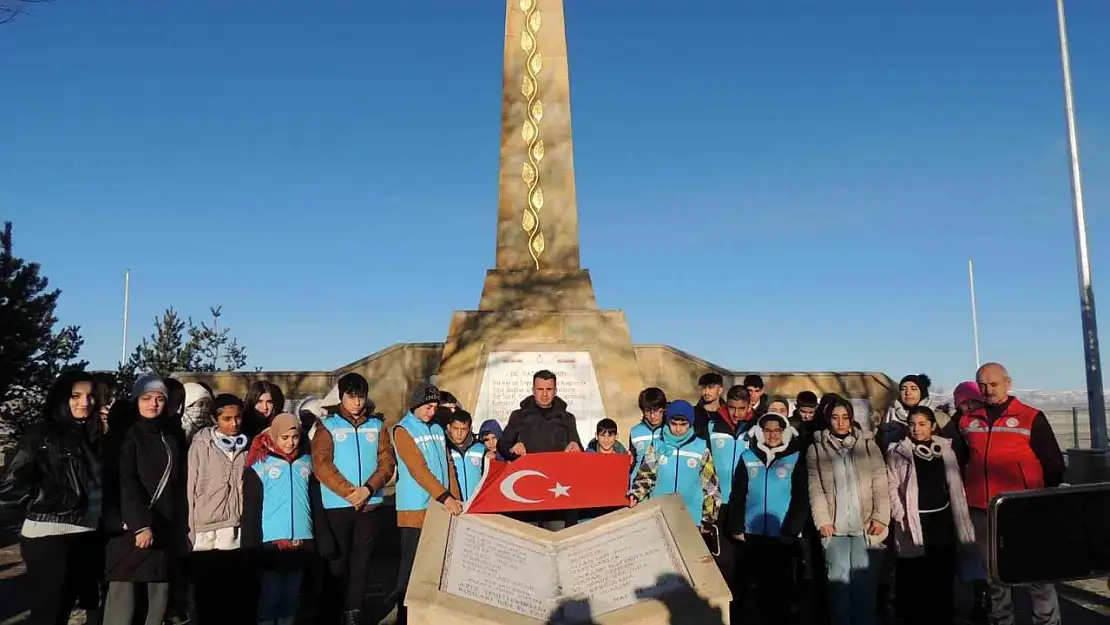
(643, 565)
(538, 309)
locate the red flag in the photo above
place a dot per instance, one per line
(553, 481)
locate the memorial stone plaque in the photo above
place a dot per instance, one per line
(486, 565)
(508, 379)
(563, 580)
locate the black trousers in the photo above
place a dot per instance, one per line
(356, 533)
(933, 571)
(773, 559)
(60, 569)
(410, 538)
(214, 575)
(732, 560)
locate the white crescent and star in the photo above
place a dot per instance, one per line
(508, 486)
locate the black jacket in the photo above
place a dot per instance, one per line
(53, 473)
(541, 430)
(145, 451)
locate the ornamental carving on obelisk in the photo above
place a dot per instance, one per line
(530, 130)
(537, 226)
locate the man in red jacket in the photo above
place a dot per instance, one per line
(1008, 446)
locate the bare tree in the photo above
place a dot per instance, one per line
(11, 9)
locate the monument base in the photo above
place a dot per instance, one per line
(538, 289)
(599, 337)
(645, 565)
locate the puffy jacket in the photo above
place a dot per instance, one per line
(1003, 452)
(276, 500)
(541, 430)
(214, 484)
(53, 475)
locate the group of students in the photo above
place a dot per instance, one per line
(225, 510)
(175, 505)
(810, 508)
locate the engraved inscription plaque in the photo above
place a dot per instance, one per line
(508, 379)
(489, 566)
(621, 567)
(564, 580)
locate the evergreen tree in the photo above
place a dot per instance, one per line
(32, 352)
(179, 345)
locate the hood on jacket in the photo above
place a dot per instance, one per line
(557, 407)
(791, 441)
(489, 426)
(617, 447)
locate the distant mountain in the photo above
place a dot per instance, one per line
(1055, 399)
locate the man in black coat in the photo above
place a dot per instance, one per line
(541, 424)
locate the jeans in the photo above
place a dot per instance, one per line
(853, 569)
(279, 596)
(1045, 605)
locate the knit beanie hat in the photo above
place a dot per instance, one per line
(282, 424)
(679, 409)
(966, 391)
(921, 381)
(423, 394)
(149, 383)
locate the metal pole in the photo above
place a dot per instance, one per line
(126, 310)
(1095, 401)
(1075, 427)
(974, 309)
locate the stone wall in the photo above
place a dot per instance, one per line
(394, 371)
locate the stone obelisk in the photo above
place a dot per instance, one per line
(537, 216)
(538, 309)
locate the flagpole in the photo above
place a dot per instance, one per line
(1093, 366)
(974, 309)
(126, 311)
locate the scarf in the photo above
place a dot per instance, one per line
(229, 444)
(676, 441)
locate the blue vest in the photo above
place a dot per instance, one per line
(727, 450)
(640, 438)
(679, 471)
(468, 468)
(432, 443)
(355, 455)
(768, 493)
(286, 514)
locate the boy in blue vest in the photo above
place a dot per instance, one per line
(728, 430)
(277, 518)
(353, 459)
(425, 472)
(769, 502)
(467, 453)
(653, 403)
(681, 464)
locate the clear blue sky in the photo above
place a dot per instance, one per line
(790, 185)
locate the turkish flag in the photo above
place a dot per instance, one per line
(553, 481)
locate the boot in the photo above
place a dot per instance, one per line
(352, 617)
(980, 605)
